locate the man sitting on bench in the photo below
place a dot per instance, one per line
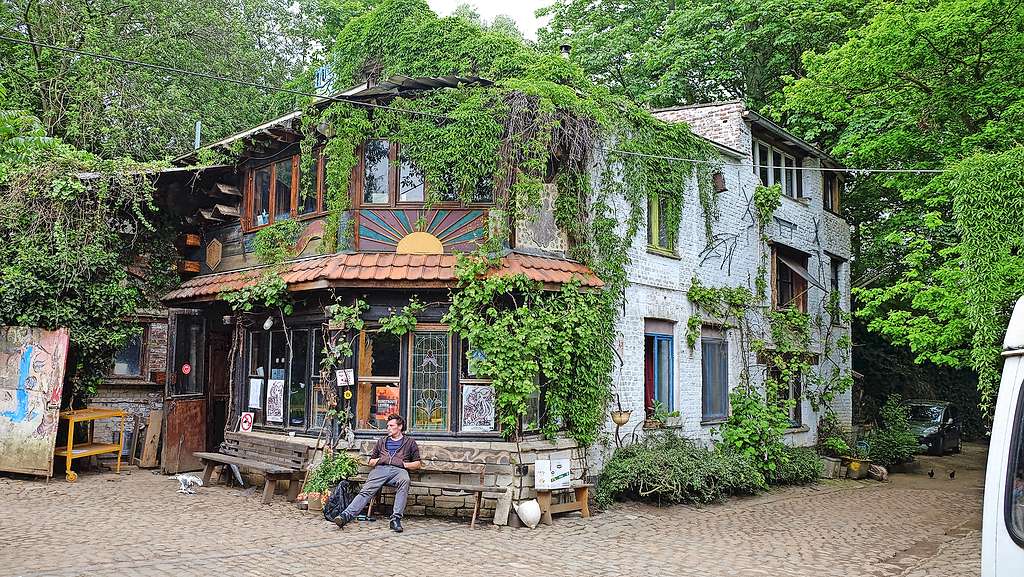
(392, 458)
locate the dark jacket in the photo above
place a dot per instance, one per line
(408, 452)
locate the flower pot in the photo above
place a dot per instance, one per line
(315, 502)
(857, 468)
(830, 467)
(621, 417)
(674, 421)
(652, 424)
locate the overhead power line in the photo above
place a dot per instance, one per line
(209, 76)
(270, 88)
(807, 168)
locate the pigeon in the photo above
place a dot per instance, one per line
(931, 473)
(952, 474)
(188, 484)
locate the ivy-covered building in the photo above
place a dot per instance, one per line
(701, 316)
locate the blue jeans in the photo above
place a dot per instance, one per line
(379, 476)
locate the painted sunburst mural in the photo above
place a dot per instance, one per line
(421, 231)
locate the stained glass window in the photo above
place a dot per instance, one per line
(429, 381)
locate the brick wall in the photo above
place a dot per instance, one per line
(135, 396)
(658, 284)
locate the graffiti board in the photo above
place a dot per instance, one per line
(31, 381)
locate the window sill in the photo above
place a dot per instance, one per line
(713, 421)
(804, 201)
(667, 253)
(795, 430)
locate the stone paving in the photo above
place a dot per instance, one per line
(135, 524)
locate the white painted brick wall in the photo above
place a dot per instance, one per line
(658, 284)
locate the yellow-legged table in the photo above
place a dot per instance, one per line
(73, 451)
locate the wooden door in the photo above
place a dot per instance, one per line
(185, 407)
(218, 367)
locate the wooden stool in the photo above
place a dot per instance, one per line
(582, 494)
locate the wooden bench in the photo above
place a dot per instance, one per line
(277, 459)
(582, 496)
(441, 460)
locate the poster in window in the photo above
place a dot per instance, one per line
(275, 401)
(385, 402)
(477, 408)
(255, 393)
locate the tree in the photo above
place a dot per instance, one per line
(929, 84)
(665, 53)
(117, 110)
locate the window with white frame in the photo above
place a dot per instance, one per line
(774, 166)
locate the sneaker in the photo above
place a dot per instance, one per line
(396, 525)
(342, 520)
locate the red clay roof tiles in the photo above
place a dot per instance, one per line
(377, 269)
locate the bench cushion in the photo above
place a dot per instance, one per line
(267, 468)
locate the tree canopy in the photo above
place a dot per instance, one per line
(670, 52)
(936, 85)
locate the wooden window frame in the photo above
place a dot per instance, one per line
(410, 337)
(249, 221)
(653, 230)
(800, 285)
(831, 188)
(357, 183)
(658, 340)
(797, 163)
(143, 376)
(464, 349)
(708, 334)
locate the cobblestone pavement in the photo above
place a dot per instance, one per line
(135, 524)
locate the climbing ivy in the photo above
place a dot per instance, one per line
(531, 341)
(84, 246)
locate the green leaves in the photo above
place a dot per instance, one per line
(532, 340)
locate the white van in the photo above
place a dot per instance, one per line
(1002, 548)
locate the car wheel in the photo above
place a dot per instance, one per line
(959, 444)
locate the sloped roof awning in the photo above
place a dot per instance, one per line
(379, 270)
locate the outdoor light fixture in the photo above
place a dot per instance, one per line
(565, 49)
(268, 323)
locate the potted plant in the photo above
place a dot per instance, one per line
(857, 463)
(334, 467)
(673, 419)
(658, 415)
(830, 451)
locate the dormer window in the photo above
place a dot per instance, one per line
(278, 191)
(387, 177)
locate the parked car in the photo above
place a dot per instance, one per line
(936, 424)
(1002, 537)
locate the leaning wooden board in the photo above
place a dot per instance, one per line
(150, 449)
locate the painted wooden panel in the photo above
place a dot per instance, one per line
(31, 380)
(381, 230)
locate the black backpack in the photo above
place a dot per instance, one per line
(338, 501)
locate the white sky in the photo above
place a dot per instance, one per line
(520, 10)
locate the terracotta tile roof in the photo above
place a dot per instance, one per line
(380, 270)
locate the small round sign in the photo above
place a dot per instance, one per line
(186, 368)
(246, 422)
(348, 394)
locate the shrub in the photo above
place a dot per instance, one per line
(334, 467)
(755, 429)
(834, 447)
(892, 443)
(801, 466)
(665, 468)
